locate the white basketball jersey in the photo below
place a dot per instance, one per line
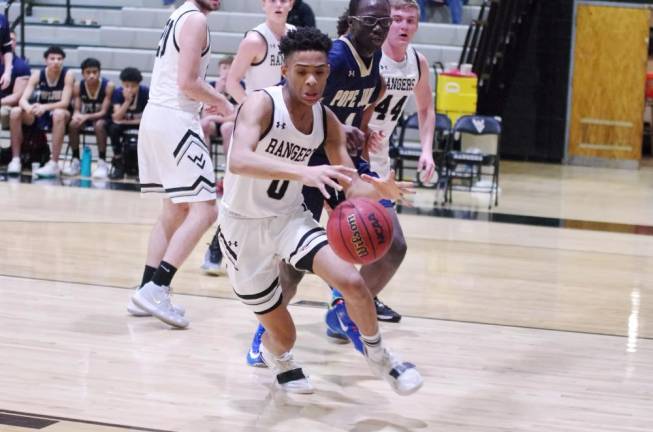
(164, 89)
(401, 79)
(267, 72)
(251, 197)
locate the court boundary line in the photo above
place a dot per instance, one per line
(73, 420)
(303, 303)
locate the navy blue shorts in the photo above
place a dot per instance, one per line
(314, 199)
(44, 122)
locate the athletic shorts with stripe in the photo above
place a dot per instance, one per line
(172, 156)
(253, 248)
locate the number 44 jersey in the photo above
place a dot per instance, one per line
(401, 79)
(254, 198)
(164, 90)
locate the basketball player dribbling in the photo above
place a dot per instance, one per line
(257, 63)
(263, 219)
(352, 89)
(173, 158)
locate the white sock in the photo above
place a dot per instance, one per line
(374, 345)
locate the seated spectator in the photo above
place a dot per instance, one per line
(456, 10)
(301, 15)
(91, 102)
(129, 102)
(214, 123)
(10, 96)
(44, 104)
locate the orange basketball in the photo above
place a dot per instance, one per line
(360, 231)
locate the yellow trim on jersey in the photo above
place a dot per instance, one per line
(364, 69)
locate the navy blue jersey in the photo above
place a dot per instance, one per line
(20, 69)
(46, 92)
(92, 103)
(136, 109)
(5, 37)
(353, 83)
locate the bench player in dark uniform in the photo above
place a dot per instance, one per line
(91, 104)
(45, 104)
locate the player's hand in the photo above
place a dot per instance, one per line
(38, 110)
(374, 141)
(321, 176)
(388, 188)
(212, 110)
(426, 166)
(5, 79)
(355, 139)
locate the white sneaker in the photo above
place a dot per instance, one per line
(14, 167)
(289, 376)
(136, 311)
(72, 169)
(101, 170)
(155, 299)
(402, 376)
(50, 169)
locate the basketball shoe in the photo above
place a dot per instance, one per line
(155, 299)
(289, 375)
(403, 377)
(385, 313)
(340, 328)
(254, 357)
(213, 258)
(136, 311)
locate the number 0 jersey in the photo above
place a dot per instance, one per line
(255, 198)
(164, 90)
(401, 79)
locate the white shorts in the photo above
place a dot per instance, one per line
(253, 248)
(172, 156)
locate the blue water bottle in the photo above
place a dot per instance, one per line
(87, 158)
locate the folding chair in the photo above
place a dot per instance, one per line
(404, 151)
(480, 138)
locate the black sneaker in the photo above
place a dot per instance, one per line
(213, 258)
(117, 171)
(385, 313)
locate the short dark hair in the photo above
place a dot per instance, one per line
(91, 63)
(131, 74)
(304, 39)
(54, 50)
(226, 60)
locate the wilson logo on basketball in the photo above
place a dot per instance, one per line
(378, 228)
(356, 238)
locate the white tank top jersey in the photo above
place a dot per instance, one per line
(255, 198)
(267, 72)
(164, 89)
(401, 79)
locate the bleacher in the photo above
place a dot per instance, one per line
(128, 30)
(123, 33)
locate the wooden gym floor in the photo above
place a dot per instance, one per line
(535, 317)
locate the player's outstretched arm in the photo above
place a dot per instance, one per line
(192, 42)
(365, 186)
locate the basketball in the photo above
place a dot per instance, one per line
(360, 231)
